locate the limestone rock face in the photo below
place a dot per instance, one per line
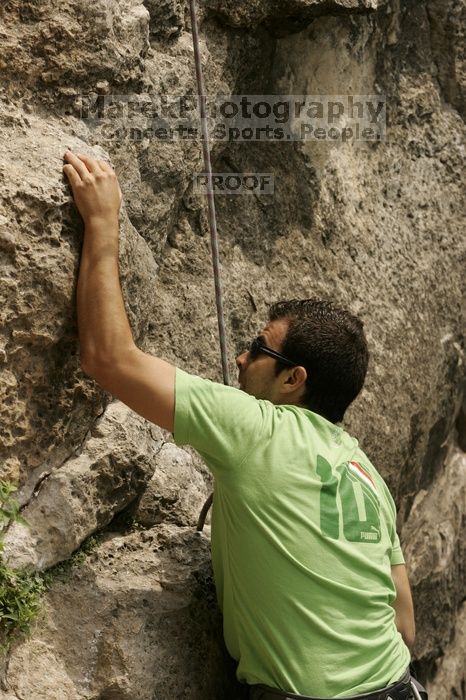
(287, 13)
(69, 45)
(167, 18)
(176, 492)
(40, 239)
(448, 26)
(435, 552)
(376, 226)
(449, 679)
(141, 611)
(114, 466)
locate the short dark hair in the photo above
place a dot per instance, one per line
(329, 342)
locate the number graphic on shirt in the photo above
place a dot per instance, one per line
(359, 503)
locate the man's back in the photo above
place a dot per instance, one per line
(281, 597)
(303, 538)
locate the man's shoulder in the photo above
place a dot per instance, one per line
(194, 385)
(221, 422)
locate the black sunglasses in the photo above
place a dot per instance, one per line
(257, 347)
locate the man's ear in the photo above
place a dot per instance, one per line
(296, 378)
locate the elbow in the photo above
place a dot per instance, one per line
(101, 365)
(87, 366)
(94, 366)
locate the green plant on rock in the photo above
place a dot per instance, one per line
(65, 568)
(20, 591)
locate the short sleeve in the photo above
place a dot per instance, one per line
(222, 423)
(396, 556)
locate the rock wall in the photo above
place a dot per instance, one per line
(375, 226)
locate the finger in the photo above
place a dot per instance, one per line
(71, 174)
(77, 164)
(105, 166)
(91, 163)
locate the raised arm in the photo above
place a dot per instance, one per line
(107, 349)
(143, 382)
(403, 605)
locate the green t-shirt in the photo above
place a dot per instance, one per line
(303, 536)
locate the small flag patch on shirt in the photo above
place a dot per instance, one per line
(362, 474)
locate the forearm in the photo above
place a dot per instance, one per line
(104, 330)
(407, 630)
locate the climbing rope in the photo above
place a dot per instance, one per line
(212, 220)
(210, 194)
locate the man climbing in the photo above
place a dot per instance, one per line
(307, 562)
